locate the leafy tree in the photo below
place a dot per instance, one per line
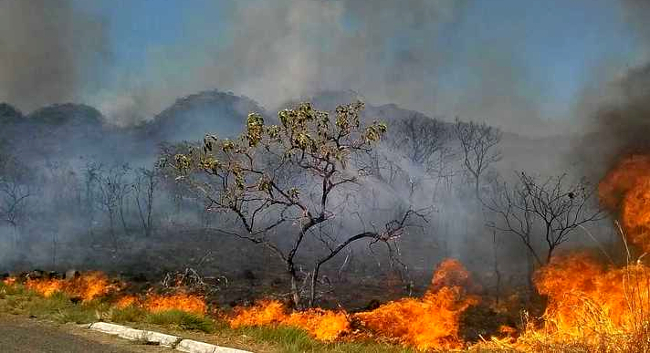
(278, 177)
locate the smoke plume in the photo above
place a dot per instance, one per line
(46, 47)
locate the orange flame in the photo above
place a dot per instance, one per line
(88, 286)
(431, 322)
(625, 191)
(428, 323)
(263, 313)
(324, 325)
(577, 285)
(602, 307)
(126, 301)
(178, 301)
(9, 281)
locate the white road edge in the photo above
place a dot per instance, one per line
(177, 343)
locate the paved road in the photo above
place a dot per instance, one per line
(19, 334)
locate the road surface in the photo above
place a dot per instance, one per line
(18, 334)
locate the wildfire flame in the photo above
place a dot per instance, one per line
(325, 325)
(178, 301)
(625, 191)
(9, 281)
(603, 307)
(431, 322)
(126, 301)
(88, 286)
(577, 284)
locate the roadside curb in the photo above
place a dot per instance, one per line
(177, 343)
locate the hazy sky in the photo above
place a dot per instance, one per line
(514, 63)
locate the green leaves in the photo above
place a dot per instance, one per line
(183, 163)
(375, 132)
(254, 129)
(306, 140)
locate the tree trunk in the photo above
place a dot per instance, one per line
(295, 292)
(497, 273)
(529, 275)
(313, 284)
(111, 217)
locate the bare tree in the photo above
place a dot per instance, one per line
(146, 183)
(479, 149)
(419, 138)
(275, 177)
(14, 192)
(113, 188)
(543, 211)
(91, 177)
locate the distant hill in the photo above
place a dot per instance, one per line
(64, 131)
(68, 114)
(9, 114)
(190, 118)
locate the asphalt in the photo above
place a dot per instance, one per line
(19, 334)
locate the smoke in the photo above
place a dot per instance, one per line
(387, 51)
(637, 12)
(406, 52)
(46, 48)
(615, 105)
(276, 51)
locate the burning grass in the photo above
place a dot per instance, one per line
(591, 307)
(323, 325)
(86, 287)
(431, 322)
(180, 301)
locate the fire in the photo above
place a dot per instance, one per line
(126, 301)
(263, 313)
(93, 285)
(431, 322)
(603, 307)
(324, 325)
(9, 281)
(45, 287)
(589, 306)
(88, 286)
(178, 301)
(626, 192)
(577, 285)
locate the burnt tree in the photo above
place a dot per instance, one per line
(479, 149)
(543, 211)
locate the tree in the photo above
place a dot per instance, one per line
(113, 188)
(145, 185)
(92, 195)
(479, 150)
(543, 211)
(425, 143)
(420, 138)
(278, 177)
(14, 192)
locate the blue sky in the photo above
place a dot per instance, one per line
(553, 46)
